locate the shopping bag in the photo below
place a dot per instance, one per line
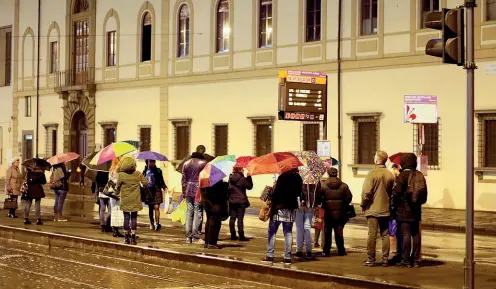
(10, 203)
(168, 203)
(318, 219)
(179, 215)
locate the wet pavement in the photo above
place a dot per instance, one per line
(69, 268)
(442, 252)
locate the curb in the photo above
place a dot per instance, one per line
(203, 263)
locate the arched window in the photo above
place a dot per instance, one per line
(183, 31)
(81, 6)
(223, 32)
(146, 38)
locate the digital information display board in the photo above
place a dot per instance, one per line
(302, 95)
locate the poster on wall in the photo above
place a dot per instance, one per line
(420, 109)
(423, 165)
(324, 148)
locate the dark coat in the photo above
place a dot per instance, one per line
(65, 176)
(335, 197)
(35, 180)
(287, 191)
(191, 174)
(404, 209)
(238, 184)
(214, 198)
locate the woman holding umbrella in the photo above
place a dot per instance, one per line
(35, 179)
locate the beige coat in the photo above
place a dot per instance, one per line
(13, 181)
(376, 191)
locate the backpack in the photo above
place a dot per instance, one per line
(417, 186)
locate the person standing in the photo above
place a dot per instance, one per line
(214, 200)
(190, 185)
(60, 185)
(376, 192)
(13, 183)
(35, 180)
(100, 182)
(304, 215)
(117, 217)
(129, 191)
(284, 205)
(335, 197)
(238, 202)
(408, 210)
(157, 186)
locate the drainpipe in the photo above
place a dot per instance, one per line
(339, 85)
(38, 81)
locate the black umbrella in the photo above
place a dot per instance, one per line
(179, 167)
(35, 164)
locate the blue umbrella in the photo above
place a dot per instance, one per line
(149, 155)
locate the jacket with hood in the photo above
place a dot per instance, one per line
(335, 197)
(35, 179)
(376, 192)
(404, 209)
(128, 185)
(238, 184)
(191, 174)
(287, 191)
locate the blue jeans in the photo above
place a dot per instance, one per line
(105, 203)
(194, 218)
(60, 195)
(304, 229)
(287, 228)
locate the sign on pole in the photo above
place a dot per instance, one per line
(324, 148)
(302, 95)
(420, 109)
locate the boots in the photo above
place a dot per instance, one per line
(127, 238)
(133, 239)
(116, 233)
(39, 222)
(242, 237)
(27, 221)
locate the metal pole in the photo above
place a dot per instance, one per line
(324, 126)
(340, 5)
(38, 82)
(470, 67)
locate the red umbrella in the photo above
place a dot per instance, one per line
(62, 158)
(273, 163)
(396, 158)
(242, 162)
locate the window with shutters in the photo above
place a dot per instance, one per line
(54, 57)
(487, 139)
(109, 135)
(111, 48)
(366, 135)
(368, 15)
(145, 138)
(265, 23)
(310, 136)
(28, 106)
(221, 138)
(6, 47)
(427, 6)
(223, 32)
(182, 141)
(263, 130)
(146, 37)
(183, 31)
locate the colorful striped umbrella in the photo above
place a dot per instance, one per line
(313, 167)
(111, 152)
(216, 170)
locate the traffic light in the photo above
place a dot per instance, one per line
(451, 46)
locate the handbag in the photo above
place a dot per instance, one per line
(318, 218)
(24, 190)
(146, 194)
(266, 211)
(10, 203)
(55, 184)
(109, 190)
(350, 211)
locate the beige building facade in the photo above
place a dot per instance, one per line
(173, 74)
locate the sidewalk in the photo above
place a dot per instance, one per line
(433, 274)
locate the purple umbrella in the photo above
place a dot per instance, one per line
(149, 155)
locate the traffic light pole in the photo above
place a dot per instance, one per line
(470, 67)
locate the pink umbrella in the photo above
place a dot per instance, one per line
(63, 158)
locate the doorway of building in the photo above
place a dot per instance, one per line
(79, 139)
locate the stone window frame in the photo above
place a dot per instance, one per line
(139, 135)
(106, 125)
(357, 118)
(49, 128)
(213, 136)
(416, 148)
(177, 123)
(262, 120)
(482, 116)
(302, 136)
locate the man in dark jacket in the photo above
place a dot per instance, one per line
(284, 205)
(238, 201)
(408, 214)
(190, 184)
(335, 197)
